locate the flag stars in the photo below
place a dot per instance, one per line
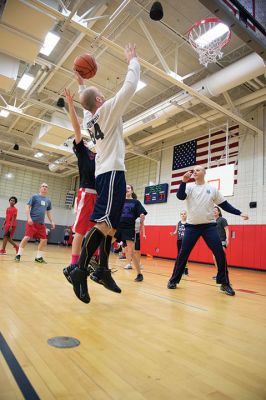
(184, 155)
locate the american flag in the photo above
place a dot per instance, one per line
(195, 152)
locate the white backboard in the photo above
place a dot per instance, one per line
(222, 178)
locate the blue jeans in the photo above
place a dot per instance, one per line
(211, 238)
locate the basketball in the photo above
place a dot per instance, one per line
(85, 65)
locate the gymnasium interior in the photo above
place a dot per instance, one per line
(149, 342)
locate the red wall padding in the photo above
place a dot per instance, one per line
(247, 246)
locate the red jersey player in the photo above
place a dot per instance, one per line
(10, 225)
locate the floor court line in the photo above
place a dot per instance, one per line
(172, 300)
(20, 377)
(246, 291)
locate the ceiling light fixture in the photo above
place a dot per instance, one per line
(4, 113)
(49, 44)
(25, 81)
(39, 154)
(211, 35)
(53, 167)
(141, 85)
(175, 75)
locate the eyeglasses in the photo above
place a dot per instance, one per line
(44, 186)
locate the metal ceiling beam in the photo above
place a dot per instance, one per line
(212, 115)
(154, 45)
(115, 14)
(138, 151)
(21, 155)
(13, 164)
(97, 11)
(169, 77)
(244, 102)
(229, 101)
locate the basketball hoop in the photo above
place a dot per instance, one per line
(208, 37)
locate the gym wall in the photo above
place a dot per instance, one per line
(247, 238)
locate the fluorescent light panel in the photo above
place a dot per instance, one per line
(39, 154)
(213, 34)
(175, 75)
(50, 42)
(4, 113)
(25, 81)
(141, 85)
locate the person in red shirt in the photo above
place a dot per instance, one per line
(10, 225)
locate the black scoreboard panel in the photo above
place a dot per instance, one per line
(156, 194)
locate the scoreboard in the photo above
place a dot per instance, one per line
(156, 194)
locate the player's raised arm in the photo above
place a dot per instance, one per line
(73, 115)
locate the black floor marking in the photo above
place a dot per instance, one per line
(22, 381)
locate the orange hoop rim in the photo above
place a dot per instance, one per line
(205, 21)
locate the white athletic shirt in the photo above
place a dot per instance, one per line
(106, 126)
(201, 200)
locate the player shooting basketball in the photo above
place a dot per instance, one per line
(104, 122)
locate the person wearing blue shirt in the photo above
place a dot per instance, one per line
(37, 206)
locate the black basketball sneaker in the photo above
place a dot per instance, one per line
(79, 281)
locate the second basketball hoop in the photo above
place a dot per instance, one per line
(208, 37)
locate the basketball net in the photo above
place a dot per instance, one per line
(208, 37)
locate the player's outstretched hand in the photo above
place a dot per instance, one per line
(69, 96)
(130, 52)
(244, 216)
(187, 176)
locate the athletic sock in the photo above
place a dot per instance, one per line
(91, 242)
(105, 248)
(74, 259)
(20, 251)
(39, 254)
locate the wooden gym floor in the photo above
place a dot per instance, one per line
(147, 343)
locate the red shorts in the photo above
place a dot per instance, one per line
(7, 233)
(36, 231)
(85, 205)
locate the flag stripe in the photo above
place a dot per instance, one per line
(230, 129)
(204, 160)
(220, 148)
(222, 139)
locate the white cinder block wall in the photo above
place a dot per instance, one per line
(142, 172)
(25, 182)
(251, 177)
